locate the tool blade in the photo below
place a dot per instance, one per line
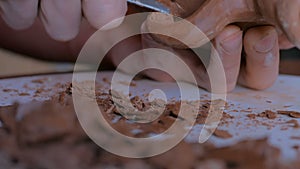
(151, 4)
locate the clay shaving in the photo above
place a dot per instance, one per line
(222, 134)
(293, 114)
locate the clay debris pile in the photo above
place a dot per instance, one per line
(48, 135)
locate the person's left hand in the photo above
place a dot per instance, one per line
(61, 18)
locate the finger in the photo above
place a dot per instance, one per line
(150, 61)
(19, 14)
(228, 45)
(262, 58)
(149, 42)
(288, 14)
(124, 48)
(101, 12)
(284, 43)
(61, 18)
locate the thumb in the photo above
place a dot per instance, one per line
(211, 18)
(193, 31)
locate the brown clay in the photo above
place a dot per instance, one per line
(211, 16)
(182, 8)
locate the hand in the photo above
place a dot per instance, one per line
(258, 70)
(61, 18)
(257, 67)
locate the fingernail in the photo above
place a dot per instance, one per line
(266, 44)
(61, 33)
(232, 41)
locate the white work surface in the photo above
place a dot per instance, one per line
(283, 95)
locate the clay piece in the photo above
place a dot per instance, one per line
(222, 134)
(212, 16)
(293, 114)
(268, 114)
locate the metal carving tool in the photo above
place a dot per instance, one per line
(151, 4)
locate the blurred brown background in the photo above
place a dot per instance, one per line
(14, 64)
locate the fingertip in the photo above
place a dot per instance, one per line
(262, 58)
(18, 24)
(229, 47)
(258, 83)
(230, 40)
(229, 32)
(284, 43)
(158, 75)
(104, 14)
(19, 15)
(260, 39)
(231, 86)
(112, 24)
(62, 36)
(61, 19)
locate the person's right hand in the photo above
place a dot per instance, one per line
(259, 69)
(257, 66)
(61, 18)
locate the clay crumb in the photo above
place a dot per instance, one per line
(24, 94)
(38, 91)
(251, 116)
(294, 122)
(293, 114)
(222, 134)
(227, 116)
(249, 110)
(10, 90)
(296, 147)
(295, 137)
(105, 80)
(40, 81)
(268, 114)
(132, 84)
(69, 89)
(283, 112)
